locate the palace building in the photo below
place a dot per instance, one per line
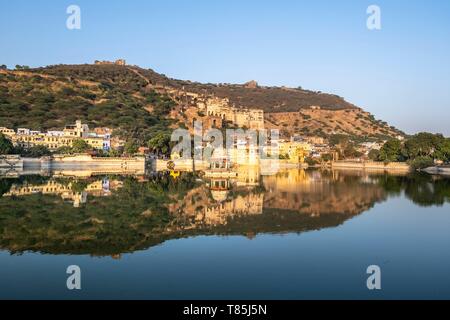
(240, 117)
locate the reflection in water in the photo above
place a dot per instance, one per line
(422, 189)
(114, 215)
(69, 190)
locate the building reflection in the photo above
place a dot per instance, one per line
(321, 192)
(220, 200)
(306, 193)
(68, 190)
(227, 207)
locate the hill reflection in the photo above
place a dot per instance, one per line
(114, 215)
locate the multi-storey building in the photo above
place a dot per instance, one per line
(78, 130)
(56, 139)
(296, 151)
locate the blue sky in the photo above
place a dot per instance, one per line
(399, 73)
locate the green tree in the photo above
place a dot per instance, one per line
(3, 67)
(114, 153)
(64, 150)
(131, 147)
(6, 146)
(5, 185)
(422, 162)
(311, 162)
(78, 186)
(443, 152)
(326, 157)
(350, 151)
(80, 146)
(160, 143)
(374, 154)
(36, 152)
(19, 67)
(424, 144)
(391, 151)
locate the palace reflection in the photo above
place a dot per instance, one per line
(111, 215)
(321, 192)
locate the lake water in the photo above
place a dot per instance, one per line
(297, 235)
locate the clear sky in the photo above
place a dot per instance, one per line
(399, 73)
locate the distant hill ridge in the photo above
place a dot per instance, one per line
(131, 98)
(251, 95)
(248, 95)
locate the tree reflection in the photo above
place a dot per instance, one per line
(422, 189)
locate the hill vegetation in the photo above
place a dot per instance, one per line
(102, 96)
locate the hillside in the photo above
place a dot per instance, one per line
(137, 102)
(101, 96)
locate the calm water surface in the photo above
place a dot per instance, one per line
(297, 235)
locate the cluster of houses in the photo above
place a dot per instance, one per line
(295, 150)
(99, 139)
(300, 147)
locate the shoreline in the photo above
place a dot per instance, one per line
(75, 165)
(439, 170)
(372, 165)
(84, 164)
